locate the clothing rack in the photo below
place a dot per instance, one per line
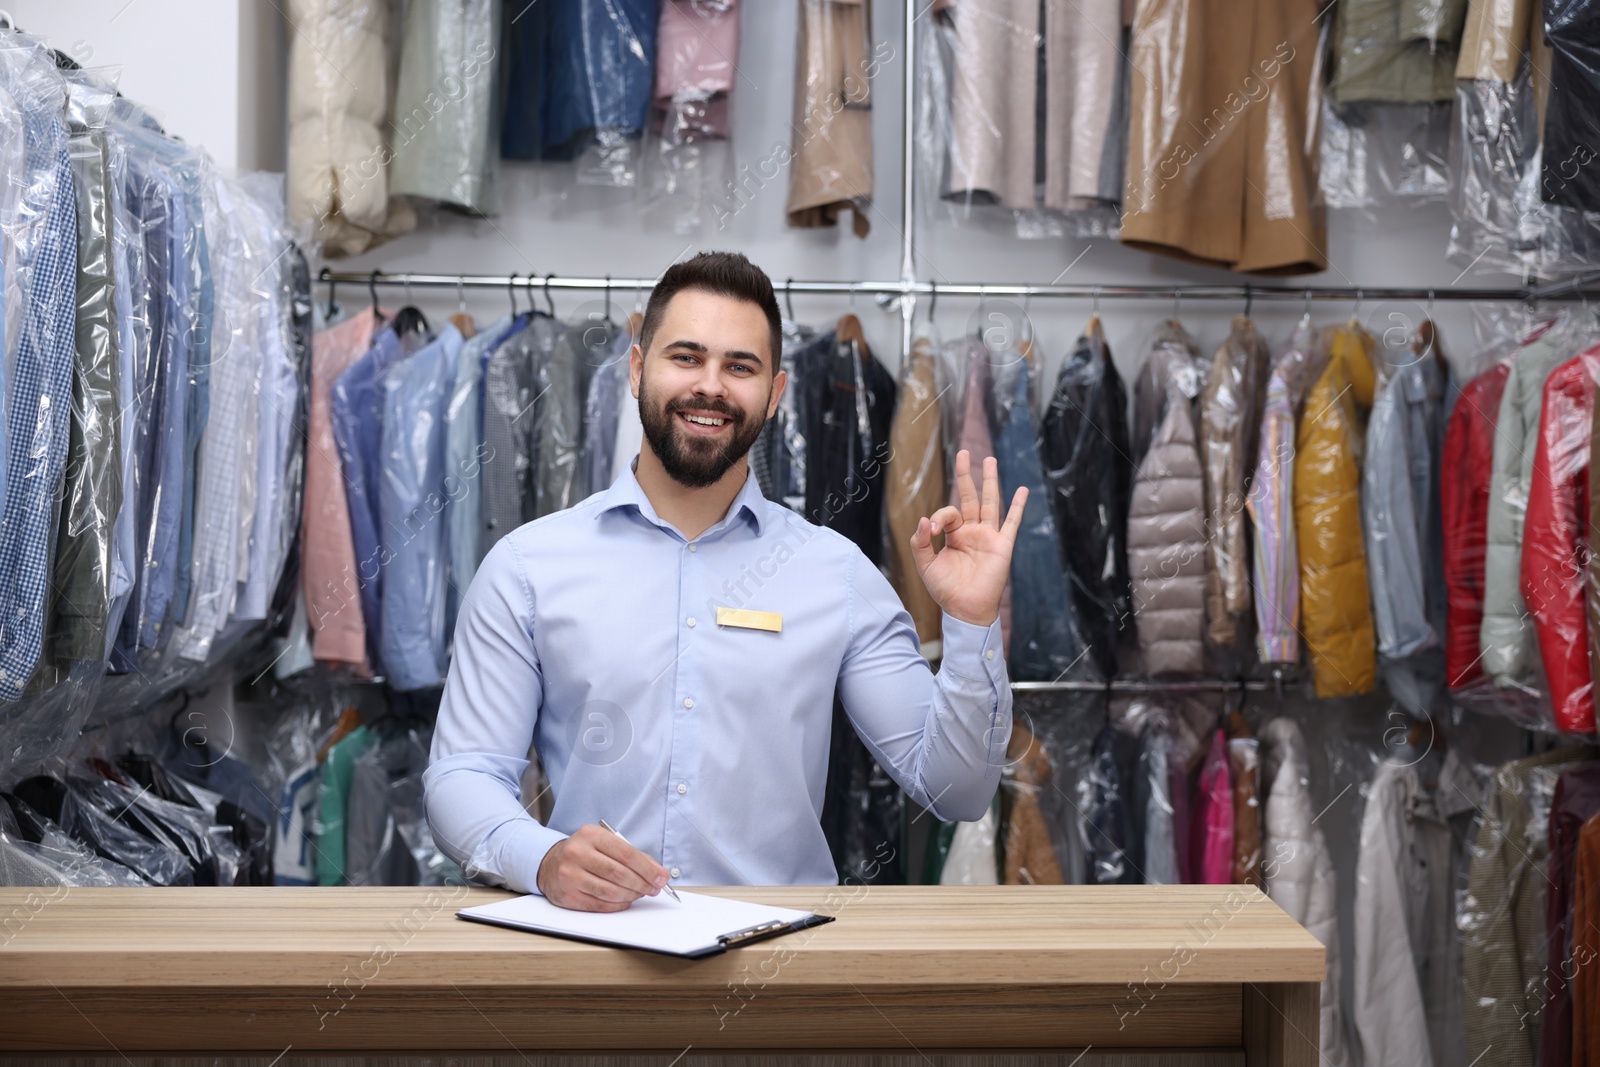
(1576, 289)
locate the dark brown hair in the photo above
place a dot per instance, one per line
(727, 274)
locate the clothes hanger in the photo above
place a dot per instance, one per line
(372, 289)
(511, 291)
(1249, 297)
(333, 309)
(548, 301)
(461, 320)
(788, 299)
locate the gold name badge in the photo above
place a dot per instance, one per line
(750, 620)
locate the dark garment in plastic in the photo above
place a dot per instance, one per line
(1572, 115)
(1110, 832)
(861, 810)
(156, 862)
(1089, 467)
(1576, 800)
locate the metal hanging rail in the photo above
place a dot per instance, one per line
(1577, 289)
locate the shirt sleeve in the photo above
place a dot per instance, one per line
(941, 737)
(484, 732)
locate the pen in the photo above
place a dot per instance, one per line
(607, 826)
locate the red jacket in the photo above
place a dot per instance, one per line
(1464, 504)
(1555, 539)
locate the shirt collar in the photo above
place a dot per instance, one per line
(626, 491)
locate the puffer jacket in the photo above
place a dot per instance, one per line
(1506, 637)
(1335, 616)
(1298, 869)
(1230, 424)
(1464, 501)
(1166, 547)
(1275, 564)
(1174, 359)
(1555, 539)
(338, 100)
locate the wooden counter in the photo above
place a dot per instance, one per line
(904, 969)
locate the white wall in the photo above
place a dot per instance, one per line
(210, 70)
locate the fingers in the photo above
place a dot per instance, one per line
(922, 552)
(945, 520)
(990, 513)
(966, 491)
(595, 870)
(1013, 521)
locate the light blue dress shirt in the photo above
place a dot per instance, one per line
(591, 634)
(411, 513)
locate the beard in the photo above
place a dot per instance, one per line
(692, 461)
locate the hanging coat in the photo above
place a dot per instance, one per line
(972, 433)
(1222, 142)
(1502, 917)
(1211, 833)
(1555, 543)
(1166, 548)
(1334, 613)
(1408, 1008)
(338, 102)
(1275, 559)
(1298, 870)
(830, 161)
(1464, 503)
(1575, 801)
(1230, 424)
(1090, 476)
(1030, 858)
(916, 485)
(1506, 637)
(1044, 645)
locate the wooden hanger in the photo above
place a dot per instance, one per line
(849, 329)
(1427, 337)
(349, 721)
(1436, 735)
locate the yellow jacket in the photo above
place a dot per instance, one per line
(1335, 616)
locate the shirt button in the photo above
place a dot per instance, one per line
(688, 702)
(691, 620)
(674, 872)
(692, 546)
(683, 787)
(988, 654)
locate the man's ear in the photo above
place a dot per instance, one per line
(780, 382)
(635, 368)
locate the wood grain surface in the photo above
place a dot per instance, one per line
(393, 969)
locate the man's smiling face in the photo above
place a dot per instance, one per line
(707, 386)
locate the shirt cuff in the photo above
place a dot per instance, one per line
(974, 652)
(513, 852)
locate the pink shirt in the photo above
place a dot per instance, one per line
(328, 555)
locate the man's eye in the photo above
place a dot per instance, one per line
(741, 366)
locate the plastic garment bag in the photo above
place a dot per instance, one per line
(1275, 557)
(1408, 1003)
(1555, 541)
(411, 500)
(1244, 769)
(1044, 643)
(559, 385)
(53, 859)
(1152, 798)
(157, 862)
(338, 106)
(972, 858)
(697, 49)
(44, 232)
(1575, 801)
(993, 102)
(916, 484)
(1502, 914)
(1166, 545)
(1464, 506)
(92, 487)
(1572, 28)
(830, 156)
(1223, 135)
(444, 101)
(1298, 870)
(387, 834)
(1506, 209)
(1402, 523)
(1111, 825)
(1087, 466)
(1173, 362)
(969, 431)
(1230, 420)
(1030, 856)
(1335, 614)
(1211, 831)
(1396, 51)
(1506, 637)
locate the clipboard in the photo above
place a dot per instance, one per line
(698, 926)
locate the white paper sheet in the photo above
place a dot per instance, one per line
(657, 923)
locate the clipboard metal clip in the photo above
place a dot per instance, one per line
(753, 933)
